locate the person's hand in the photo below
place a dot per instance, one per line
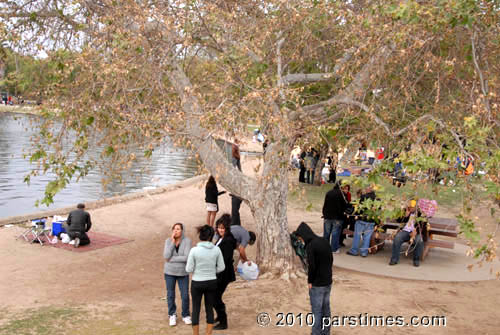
(173, 236)
(310, 286)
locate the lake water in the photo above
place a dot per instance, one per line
(168, 165)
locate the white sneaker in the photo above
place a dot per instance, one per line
(187, 320)
(173, 320)
(337, 251)
(77, 242)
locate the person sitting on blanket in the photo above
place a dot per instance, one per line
(78, 225)
(411, 232)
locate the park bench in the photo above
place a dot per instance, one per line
(438, 227)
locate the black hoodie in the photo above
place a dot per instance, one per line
(335, 204)
(319, 256)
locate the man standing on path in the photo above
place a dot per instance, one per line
(235, 152)
(333, 215)
(78, 225)
(319, 276)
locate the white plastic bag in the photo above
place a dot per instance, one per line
(65, 238)
(54, 240)
(248, 272)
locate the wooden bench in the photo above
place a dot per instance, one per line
(439, 227)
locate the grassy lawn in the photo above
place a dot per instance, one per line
(312, 197)
(75, 321)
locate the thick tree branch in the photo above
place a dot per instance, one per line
(293, 78)
(211, 155)
(482, 81)
(354, 91)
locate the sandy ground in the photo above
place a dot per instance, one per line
(126, 281)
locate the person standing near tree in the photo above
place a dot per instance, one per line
(204, 261)
(235, 209)
(176, 252)
(319, 276)
(211, 200)
(227, 244)
(334, 208)
(235, 153)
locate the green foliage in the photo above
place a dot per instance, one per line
(468, 229)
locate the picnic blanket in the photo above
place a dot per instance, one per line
(97, 241)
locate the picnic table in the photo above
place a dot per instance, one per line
(438, 227)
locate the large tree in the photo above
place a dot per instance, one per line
(385, 71)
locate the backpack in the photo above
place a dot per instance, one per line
(300, 249)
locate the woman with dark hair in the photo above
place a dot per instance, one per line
(204, 261)
(176, 252)
(227, 244)
(211, 199)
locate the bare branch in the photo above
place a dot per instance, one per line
(354, 91)
(293, 78)
(281, 40)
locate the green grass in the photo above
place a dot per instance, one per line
(312, 197)
(74, 321)
(49, 320)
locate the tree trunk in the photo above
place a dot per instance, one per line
(269, 208)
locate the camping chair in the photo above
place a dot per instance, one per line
(36, 232)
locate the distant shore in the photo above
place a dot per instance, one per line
(18, 109)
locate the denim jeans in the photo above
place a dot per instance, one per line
(365, 228)
(333, 228)
(183, 287)
(320, 305)
(402, 237)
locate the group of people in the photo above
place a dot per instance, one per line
(212, 262)
(307, 165)
(339, 213)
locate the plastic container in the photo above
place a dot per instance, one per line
(57, 228)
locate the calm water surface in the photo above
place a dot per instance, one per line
(167, 166)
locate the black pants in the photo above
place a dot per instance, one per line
(302, 174)
(235, 211)
(199, 289)
(219, 306)
(84, 238)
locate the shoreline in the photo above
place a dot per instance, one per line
(19, 219)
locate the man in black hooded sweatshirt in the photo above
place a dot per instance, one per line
(319, 276)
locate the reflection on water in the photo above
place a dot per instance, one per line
(168, 165)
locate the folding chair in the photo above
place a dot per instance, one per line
(36, 232)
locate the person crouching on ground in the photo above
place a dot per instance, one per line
(319, 276)
(412, 233)
(79, 224)
(204, 261)
(211, 199)
(176, 252)
(227, 244)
